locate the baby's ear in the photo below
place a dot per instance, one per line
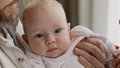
(25, 38)
(68, 25)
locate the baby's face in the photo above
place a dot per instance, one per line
(48, 33)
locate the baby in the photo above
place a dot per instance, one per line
(47, 34)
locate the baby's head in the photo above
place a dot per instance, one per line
(46, 28)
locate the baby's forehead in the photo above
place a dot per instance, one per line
(43, 5)
(40, 10)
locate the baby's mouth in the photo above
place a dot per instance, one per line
(52, 49)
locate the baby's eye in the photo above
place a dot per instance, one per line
(39, 35)
(58, 30)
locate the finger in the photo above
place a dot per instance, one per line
(90, 58)
(116, 62)
(95, 51)
(118, 66)
(116, 53)
(85, 63)
(96, 42)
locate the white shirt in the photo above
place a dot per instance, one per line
(19, 28)
(10, 55)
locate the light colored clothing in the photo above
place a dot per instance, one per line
(19, 28)
(36, 60)
(69, 60)
(10, 55)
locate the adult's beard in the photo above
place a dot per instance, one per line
(10, 20)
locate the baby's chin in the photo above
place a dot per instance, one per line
(56, 54)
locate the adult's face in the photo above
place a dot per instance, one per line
(3, 3)
(8, 11)
(9, 6)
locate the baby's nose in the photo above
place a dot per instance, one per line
(50, 40)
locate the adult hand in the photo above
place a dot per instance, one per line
(116, 61)
(91, 53)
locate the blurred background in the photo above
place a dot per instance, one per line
(101, 16)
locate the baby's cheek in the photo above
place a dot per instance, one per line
(39, 51)
(65, 45)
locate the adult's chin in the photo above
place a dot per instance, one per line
(11, 19)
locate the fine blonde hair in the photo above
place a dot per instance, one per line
(42, 5)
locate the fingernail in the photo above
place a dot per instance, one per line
(115, 54)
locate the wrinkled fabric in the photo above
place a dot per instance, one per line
(10, 55)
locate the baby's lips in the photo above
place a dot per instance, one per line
(52, 49)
